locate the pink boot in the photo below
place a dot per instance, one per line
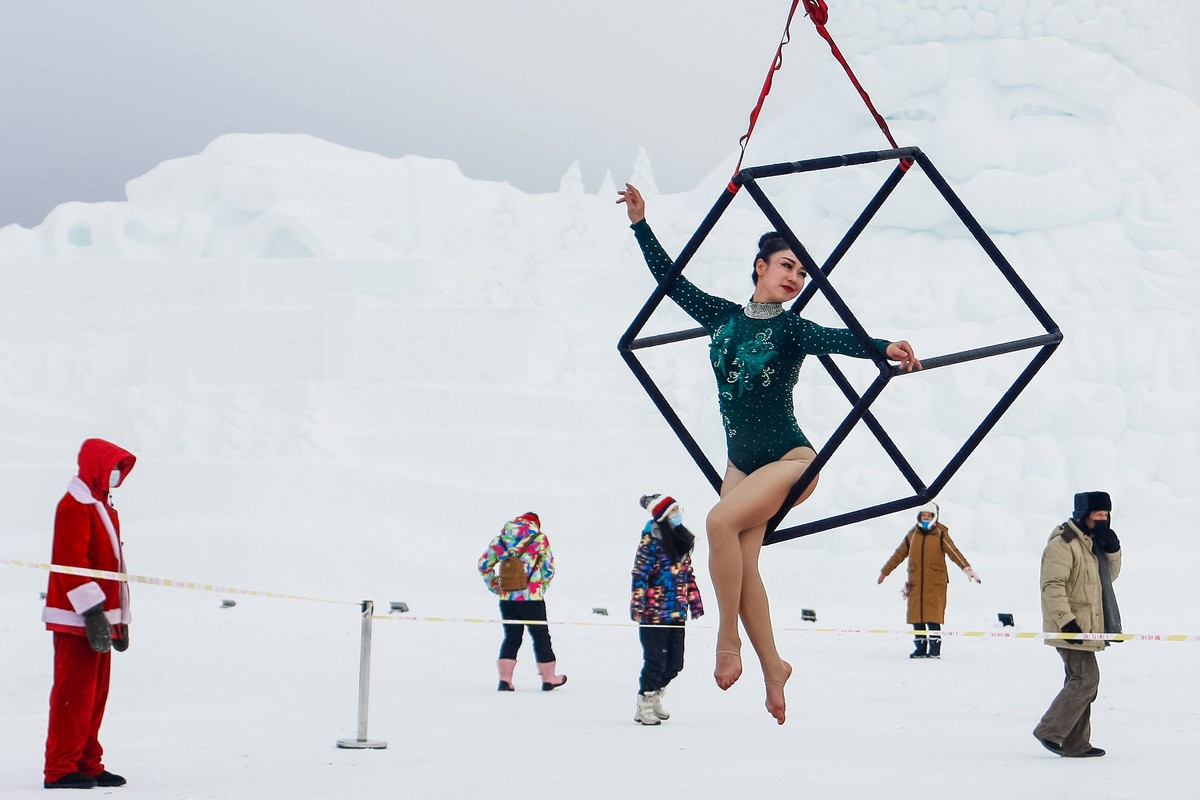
(549, 679)
(505, 667)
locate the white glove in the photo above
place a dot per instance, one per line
(971, 575)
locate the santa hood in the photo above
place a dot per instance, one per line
(97, 460)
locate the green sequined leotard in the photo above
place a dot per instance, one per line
(756, 362)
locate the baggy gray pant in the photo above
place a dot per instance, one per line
(1068, 721)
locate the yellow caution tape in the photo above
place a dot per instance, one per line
(168, 582)
(1122, 637)
(405, 617)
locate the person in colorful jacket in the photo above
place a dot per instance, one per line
(89, 617)
(756, 351)
(664, 591)
(1080, 563)
(926, 546)
(522, 540)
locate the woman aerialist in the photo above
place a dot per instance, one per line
(756, 351)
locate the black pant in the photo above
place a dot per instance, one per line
(662, 655)
(526, 609)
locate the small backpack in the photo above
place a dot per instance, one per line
(513, 577)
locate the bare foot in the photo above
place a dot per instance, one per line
(729, 668)
(776, 702)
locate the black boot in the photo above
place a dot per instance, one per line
(75, 780)
(935, 647)
(107, 778)
(922, 648)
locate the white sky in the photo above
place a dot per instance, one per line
(97, 93)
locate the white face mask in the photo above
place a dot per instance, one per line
(114, 479)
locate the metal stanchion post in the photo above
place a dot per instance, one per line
(361, 742)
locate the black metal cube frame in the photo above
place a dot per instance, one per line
(748, 178)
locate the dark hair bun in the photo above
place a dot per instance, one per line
(768, 236)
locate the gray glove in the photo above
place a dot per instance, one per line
(99, 632)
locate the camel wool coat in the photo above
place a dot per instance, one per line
(926, 552)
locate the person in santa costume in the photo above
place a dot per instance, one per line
(89, 617)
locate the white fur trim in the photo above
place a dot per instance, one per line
(60, 616)
(85, 596)
(80, 491)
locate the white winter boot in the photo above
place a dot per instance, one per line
(656, 704)
(645, 709)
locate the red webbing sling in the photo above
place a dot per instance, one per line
(818, 12)
(776, 63)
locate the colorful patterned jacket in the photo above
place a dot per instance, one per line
(663, 590)
(520, 538)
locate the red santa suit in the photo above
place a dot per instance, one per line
(87, 533)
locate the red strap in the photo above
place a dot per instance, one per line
(776, 63)
(818, 12)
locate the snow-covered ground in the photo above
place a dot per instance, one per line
(341, 373)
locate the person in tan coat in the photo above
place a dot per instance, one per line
(1079, 564)
(926, 546)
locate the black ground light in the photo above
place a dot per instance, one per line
(923, 492)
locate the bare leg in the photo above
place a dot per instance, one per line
(725, 569)
(755, 614)
(735, 533)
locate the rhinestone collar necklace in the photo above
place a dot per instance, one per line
(755, 310)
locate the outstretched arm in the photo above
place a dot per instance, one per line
(635, 207)
(893, 562)
(818, 340)
(706, 309)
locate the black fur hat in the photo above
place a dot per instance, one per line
(1087, 502)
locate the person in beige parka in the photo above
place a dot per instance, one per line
(1079, 564)
(926, 546)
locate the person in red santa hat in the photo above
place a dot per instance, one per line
(89, 617)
